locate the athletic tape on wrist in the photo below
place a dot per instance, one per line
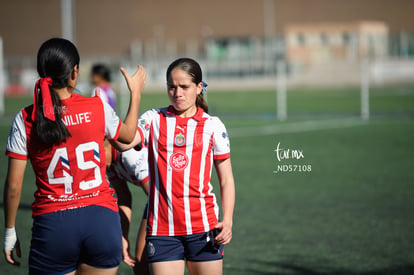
(10, 238)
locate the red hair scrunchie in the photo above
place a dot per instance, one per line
(42, 85)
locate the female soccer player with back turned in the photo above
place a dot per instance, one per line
(184, 142)
(76, 226)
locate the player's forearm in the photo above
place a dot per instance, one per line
(131, 119)
(125, 212)
(228, 198)
(13, 190)
(145, 187)
(12, 195)
(122, 147)
(136, 84)
(227, 189)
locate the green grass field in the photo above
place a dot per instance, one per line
(353, 213)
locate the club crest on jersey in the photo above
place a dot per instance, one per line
(179, 161)
(179, 139)
(150, 249)
(144, 124)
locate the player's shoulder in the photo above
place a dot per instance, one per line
(215, 120)
(154, 112)
(89, 102)
(87, 99)
(22, 121)
(163, 110)
(25, 114)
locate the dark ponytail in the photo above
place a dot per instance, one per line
(201, 102)
(56, 60)
(191, 67)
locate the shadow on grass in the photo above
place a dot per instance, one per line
(298, 269)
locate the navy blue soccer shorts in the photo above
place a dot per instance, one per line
(63, 240)
(196, 248)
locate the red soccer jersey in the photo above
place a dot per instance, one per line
(181, 152)
(70, 174)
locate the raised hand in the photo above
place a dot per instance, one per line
(135, 82)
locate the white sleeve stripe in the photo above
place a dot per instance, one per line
(17, 140)
(221, 145)
(112, 122)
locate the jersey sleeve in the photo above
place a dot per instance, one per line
(142, 171)
(136, 163)
(17, 140)
(144, 125)
(112, 122)
(221, 142)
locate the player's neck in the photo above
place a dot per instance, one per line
(64, 93)
(190, 112)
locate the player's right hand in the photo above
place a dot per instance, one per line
(126, 256)
(136, 82)
(11, 242)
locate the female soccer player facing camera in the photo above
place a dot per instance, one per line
(184, 142)
(76, 226)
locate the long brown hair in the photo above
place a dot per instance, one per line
(191, 67)
(56, 59)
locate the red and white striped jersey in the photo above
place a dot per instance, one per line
(70, 174)
(181, 152)
(131, 166)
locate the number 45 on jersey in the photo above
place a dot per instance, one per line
(61, 156)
